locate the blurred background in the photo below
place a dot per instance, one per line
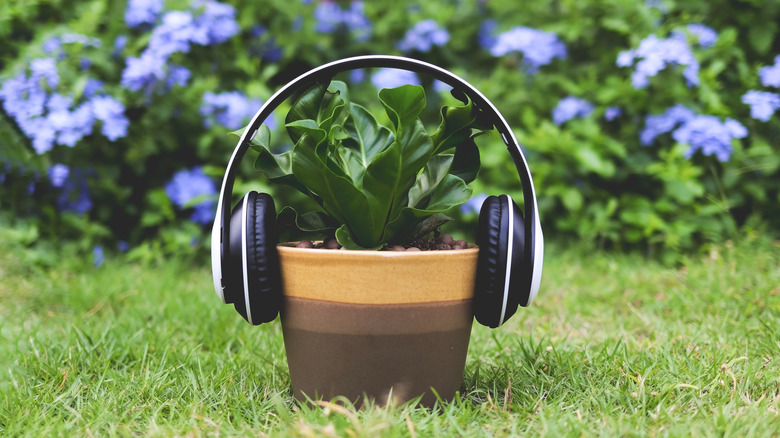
(648, 126)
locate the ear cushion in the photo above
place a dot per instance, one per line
(500, 237)
(263, 275)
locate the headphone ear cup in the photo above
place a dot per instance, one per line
(500, 237)
(254, 280)
(263, 275)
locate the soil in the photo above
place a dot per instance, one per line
(437, 243)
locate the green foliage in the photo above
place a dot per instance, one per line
(594, 179)
(374, 185)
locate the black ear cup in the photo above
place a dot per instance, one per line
(500, 269)
(254, 285)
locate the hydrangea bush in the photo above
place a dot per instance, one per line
(645, 124)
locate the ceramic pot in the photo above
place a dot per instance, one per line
(386, 325)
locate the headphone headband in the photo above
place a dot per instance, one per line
(323, 74)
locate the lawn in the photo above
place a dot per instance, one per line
(615, 345)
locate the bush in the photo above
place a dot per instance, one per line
(645, 125)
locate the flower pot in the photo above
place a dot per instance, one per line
(389, 326)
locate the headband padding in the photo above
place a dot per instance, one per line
(491, 239)
(265, 290)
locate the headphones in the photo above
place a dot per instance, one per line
(244, 261)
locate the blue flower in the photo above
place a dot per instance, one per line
(770, 75)
(423, 36)
(569, 108)
(709, 135)
(177, 31)
(51, 45)
(391, 78)
(655, 54)
(112, 113)
(762, 104)
(144, 71)
(58, 173)
(122, 246)
(538, 47)
(119, 45)
(658, 124)
(98, 256)
(74, 194)
(178, 76)
(45, 69)
(218, 21)
(188, 186)
(612, 113)
(474, 204)
(231, 109)
(706, 35)
(140, 12)
(331, 18)
(92, 87)
(486, 35)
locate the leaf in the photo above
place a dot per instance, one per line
(433, 173)
(340, 198)
(344, 237)
(393, 172)
(306, 106)
(367, 138)
(457, 123)
(452, 191)
(466, 161)
(310, 221)
(403, 104)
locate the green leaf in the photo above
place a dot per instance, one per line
(393, 172)
(306, 106)
(434, 172)
(466, 161)
(452, 191)
(403, 104)
(340, 198)
(345, 239)
(457, 123)
(312, 221)
(366, 139)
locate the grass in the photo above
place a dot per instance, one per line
(615, 345)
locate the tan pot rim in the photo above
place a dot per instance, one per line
(378, 277)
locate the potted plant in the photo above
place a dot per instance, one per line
(372, 321)
(369, 320)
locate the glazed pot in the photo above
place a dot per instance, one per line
(383, 325)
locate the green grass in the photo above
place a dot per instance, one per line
(615, 345)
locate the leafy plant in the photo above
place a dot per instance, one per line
(374, 184)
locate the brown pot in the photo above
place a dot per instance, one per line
(382, 324)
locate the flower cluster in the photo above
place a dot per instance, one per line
(140, 12)
(74, 193)
(612, 113)
(538, 47)
(705, 35)
(391, 78)
(655, 54)
(763, 104)
(193, 188)
(330, 18)
(569, 108)
(423, 36)
(176, 32)
(48, 117)
(770, 75)
(704, 133)
(230, 109)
